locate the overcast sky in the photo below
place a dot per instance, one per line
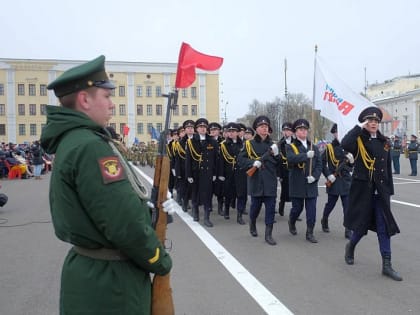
(253, 36)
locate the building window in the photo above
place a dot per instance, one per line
(43, 126)
(148, 91)
(1, 89)
(122, 110)
(43, 109)
(112, 92)
(158, 91)
(22, 130)
(21, 89)
(149, 110)
(176, 110)
(113, 112)
(43, 90)
(193, 92)
(32, 129)
(140, 128)
(32, 90)
(21, 109)
(2, 129)
(149, 128)
(184, 93)
(32, 109)
(139, 109)
(176, 125)
(121, 90)
(159, 127)
(194, 110)
(184, 110)
(2, 110)
(139, 91)
(158, 109)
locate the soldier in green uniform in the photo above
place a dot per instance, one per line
(97, 203)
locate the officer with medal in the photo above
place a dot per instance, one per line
(261, 154)
(371, 188)
(97, 203)
(396, 146)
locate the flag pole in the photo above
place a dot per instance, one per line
(313, 114)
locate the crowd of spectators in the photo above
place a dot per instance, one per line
(25, 161)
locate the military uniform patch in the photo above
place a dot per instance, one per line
(111, 169)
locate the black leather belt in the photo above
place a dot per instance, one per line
(100, 253)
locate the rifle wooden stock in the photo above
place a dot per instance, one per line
(162, 303)
(251, 171)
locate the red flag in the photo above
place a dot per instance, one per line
(126, 129)
(188, 60)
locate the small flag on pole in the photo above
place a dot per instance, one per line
(188, 60)
(154, 133)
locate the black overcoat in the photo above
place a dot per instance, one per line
(360, 216)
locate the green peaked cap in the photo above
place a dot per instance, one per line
(86, 75)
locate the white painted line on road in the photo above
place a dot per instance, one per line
(255, 288)
(406, 203)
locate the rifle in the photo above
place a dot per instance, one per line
(162, 302)
(337, 172)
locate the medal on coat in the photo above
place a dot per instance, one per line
(111, 169)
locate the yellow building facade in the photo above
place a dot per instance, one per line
(138, 97)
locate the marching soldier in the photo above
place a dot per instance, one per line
(249, 133)
(170, 149)
(336, 167)
(262, 155)
(183, 187)
(201, 169)
(235, 177)
(287, 130)
(371, 188)
(214, 130)
(305, 168)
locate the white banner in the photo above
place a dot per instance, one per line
(336, 100)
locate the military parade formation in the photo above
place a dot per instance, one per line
(218, 167)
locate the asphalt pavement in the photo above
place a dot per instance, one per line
(223, 270)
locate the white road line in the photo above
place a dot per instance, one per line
(255, 288)
(406, 203)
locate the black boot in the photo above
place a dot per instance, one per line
(387, 268)
(226, 213)
(347, 233)
(268, 234)
(220, 207)
(292, 227)
(239, 219)
(184, 205)
(349, 254)
(324, 224)
(310, 234)
(207, 221)
(281, 207)
(195, 213)
(253, 228)
(178, 199)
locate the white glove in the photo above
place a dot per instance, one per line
(257, 164)
(310, 154)
(190, 180)
(363, 124)
(173, 172)
(170, 206)
(214, 178)
(275, 149)
(350, 157)
(222, 178)
(331, 178)
(310, 179)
